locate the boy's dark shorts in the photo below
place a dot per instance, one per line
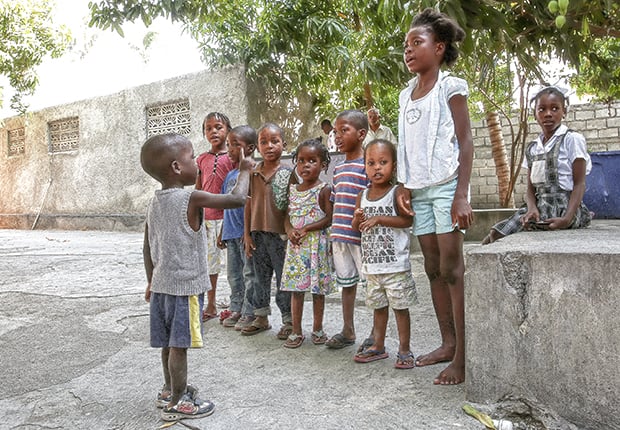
(176, 321)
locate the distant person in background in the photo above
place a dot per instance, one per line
(327, 128)
(376, 130)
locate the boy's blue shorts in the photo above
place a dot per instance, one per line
(176, 321)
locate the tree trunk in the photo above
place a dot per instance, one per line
(498, 150)
(368, 98)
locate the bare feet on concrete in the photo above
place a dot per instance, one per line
(440, 355)
(451, 375)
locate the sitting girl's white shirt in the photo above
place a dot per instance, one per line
(573, 147)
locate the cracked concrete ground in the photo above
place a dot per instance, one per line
(75, 354)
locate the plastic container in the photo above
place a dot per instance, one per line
(602, 194)
(503, 425)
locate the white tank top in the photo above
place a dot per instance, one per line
(384, 249)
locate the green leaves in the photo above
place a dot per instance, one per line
(599, 72)
(27, 35)
(332, 50)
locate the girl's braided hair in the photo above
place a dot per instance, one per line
(321, 149)
(445, 30)
(551, 89)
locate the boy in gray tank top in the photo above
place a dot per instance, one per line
(175, 263)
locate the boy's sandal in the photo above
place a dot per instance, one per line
(405, 361)
(319, 337)
(285, 331)
(367, 343)
(294, 340)
(338, 341)
(207, 316)
(255, 328)
(370, 355)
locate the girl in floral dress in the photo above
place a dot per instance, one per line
(307, 265)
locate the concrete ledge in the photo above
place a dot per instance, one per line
(104, 222)
(484, 219)
(542, 322)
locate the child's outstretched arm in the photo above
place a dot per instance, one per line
(462, 214)
(148, 263)
(236, 198)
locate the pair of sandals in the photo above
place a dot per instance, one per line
(367, 355)
(295, 340)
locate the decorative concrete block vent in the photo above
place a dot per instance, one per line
(16, 141)
(64, 134)
(168, 118)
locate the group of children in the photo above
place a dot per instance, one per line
(315, 236)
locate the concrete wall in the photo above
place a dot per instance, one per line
(101, 184)
(599, 123)
(542, 322)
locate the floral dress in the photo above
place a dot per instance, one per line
(307, 267)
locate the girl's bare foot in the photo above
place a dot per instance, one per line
(451, 375)
(440, 355)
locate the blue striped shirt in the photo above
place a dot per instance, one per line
(349, 179)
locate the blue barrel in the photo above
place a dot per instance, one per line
(602, 194)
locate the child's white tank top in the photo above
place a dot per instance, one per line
(384, 249)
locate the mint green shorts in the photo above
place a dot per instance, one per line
(432, 206)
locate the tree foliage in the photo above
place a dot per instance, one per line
(340, 53)
(600, 72)
(27, 35)
(349, 53)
